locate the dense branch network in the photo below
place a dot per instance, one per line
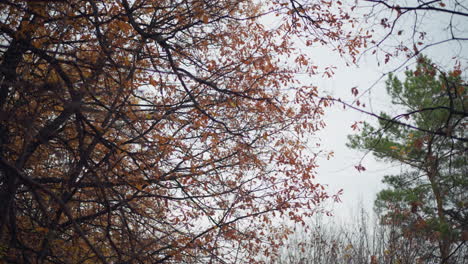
(152, 131)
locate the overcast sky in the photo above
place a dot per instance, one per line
(339, 172)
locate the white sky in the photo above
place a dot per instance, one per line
(339, 172)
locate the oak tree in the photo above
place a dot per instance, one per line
(154, 131)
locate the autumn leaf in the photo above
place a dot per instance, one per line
(137, 130)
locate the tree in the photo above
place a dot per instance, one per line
(428, 199)
(363, 241)
(332, 242)
(413, 26)
(152, 131)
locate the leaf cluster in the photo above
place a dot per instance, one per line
(153, 131)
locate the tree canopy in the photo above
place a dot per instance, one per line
(175, 131)
(156, 131)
